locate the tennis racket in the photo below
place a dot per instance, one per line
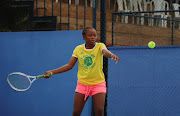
(22, 82)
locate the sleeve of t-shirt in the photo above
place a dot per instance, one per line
(75, 52)
(102, 46)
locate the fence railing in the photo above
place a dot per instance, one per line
(137, 28)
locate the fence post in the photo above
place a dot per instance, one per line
(172, 39)
(103, 40)
(94, 13)
(60, 14)
(68, 15)
(103, 21)
(52, 7)
(112, 28)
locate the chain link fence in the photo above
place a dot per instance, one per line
(52, 15)
(136, 29)
(49, 15)
(145, 82)
(146, 21)
(118, 22)
(124, 29)
(38, 15)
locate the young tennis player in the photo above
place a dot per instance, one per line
(91, 80)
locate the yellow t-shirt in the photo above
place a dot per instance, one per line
(90, 70)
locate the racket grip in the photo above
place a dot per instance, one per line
(42, 76)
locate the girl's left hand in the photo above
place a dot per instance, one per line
(114, 57)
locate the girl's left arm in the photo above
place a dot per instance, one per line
(106, 53)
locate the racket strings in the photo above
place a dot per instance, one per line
(19, 82)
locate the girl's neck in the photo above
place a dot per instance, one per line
(89, 46)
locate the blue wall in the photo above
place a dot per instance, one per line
(145, 82)
(34, 53)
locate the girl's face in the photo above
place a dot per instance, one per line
(90, 36)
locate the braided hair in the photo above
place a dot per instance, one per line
(85, 29)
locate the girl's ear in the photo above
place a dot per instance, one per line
(83, 37)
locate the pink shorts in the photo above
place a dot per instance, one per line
(91, 90)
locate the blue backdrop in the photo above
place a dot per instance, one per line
(34, 53)
(145, 82)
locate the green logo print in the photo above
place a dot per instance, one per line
(88, 61)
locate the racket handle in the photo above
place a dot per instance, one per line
(42, 76)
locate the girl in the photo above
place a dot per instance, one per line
(91, 81)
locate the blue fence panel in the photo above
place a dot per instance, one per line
(34, 53)
(145, 82)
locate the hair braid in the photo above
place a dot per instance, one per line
(85, 29)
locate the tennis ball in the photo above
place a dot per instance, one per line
(151, 44)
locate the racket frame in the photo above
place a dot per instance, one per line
(28, 77)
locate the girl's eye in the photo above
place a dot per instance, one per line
(92, 35)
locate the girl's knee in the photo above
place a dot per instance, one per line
(77, 112)
(99, 111)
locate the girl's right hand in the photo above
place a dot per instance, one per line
(46, 76)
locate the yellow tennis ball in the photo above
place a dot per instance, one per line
(151, 44)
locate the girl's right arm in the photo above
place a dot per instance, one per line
(62, 69)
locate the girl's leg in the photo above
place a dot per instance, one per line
(78, 104)
(99, 101)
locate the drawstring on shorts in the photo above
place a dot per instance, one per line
(88, 90)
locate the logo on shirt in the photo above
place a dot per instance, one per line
(81, 52)
(88, 61)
